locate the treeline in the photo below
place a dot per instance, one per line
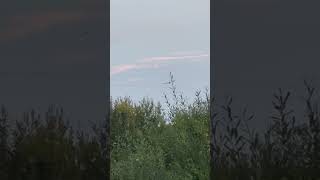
(168, 142)
(38, 148)
(289, 148)
(177, 140)
(147, 141)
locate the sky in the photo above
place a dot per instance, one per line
(264, 45)
(151, 38)
(54, 52)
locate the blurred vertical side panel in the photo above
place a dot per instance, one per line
(265, 113)
(54, 93)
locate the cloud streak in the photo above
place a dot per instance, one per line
(157, 62)
(172, 58)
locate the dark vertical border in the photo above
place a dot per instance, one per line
(212, 58)
(107, 30)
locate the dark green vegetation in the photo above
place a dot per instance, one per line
(288, 149)
(38, 148)
(173, 142)
(145, 146)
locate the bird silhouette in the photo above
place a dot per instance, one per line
(166, 82)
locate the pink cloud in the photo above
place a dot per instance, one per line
(127, 67)
(156, 62)
(171, 58)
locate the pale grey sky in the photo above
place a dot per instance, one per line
(151, 38)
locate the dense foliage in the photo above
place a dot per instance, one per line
(38, 148)
(147, 142)
(288, 148)
(170, 141)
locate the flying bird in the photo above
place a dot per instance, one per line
(166, 82)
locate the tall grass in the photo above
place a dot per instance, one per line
(287, 149)
(152, 142)
(186, 140)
